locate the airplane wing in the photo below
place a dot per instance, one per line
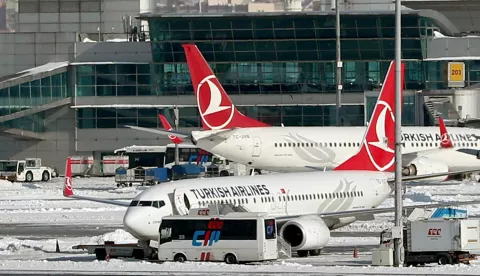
(68, 189)
(359, 213)
(161, 131)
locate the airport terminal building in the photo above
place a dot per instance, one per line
(70, 92)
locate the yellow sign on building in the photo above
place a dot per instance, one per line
(456, 71)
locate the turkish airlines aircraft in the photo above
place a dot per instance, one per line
(305, 213)
(230, 134)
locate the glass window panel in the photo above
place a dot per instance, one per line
(388, 44)
(56, 80)
(292, 120)
(292, 110)
(85, 69)
(307, 55)
(35, 91)
(284, 34)
(244, 46)
(370, 54)
(147, 122)
(106, 90)
(106, 113)
(241, 23)
(305, 33)
(387, 32)
(285, 45)
(124, 90)
(148, 112)
(105, 69)
(369, 44)
(87, 123)
(188, 112)
(201, 24)
(222, 35)
(106, 80)
(313, 120)
(264, 34)
(224, 56)
(264, 46)
(242, 34)
(263, 23)
(126, 80)
(45, 81)
(86, 80)
(368, 33)
(189, 122)
(326, 45)
(179, 24)
(86, 113)
(226, 46)
(411, 44)
(81, 90)
(286, 23)
(245, 56)
(267, 56)
(307, 45)
(143, 69)
(287, 55)
(146, 90)
(35, 83)
(126, 69)
(181, 35)
(121, 122)
(202, 35)
(106, 123)
(325, 33)
(143, 79)
(304, 23)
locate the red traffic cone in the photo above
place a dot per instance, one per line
(355, 253)
(107, 258)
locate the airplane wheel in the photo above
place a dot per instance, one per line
(315, 252)
(302, 253)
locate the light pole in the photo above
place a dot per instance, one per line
(338, 81)
(398, 237)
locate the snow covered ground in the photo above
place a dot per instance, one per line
(43, 204)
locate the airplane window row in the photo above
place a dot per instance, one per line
(156, 204)
(287, 198)
(356, 145)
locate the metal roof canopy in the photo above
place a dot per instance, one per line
(32, 74)
(447, 27)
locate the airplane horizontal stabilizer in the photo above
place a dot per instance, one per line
(100, 200)
(426, 176)
(160, 131)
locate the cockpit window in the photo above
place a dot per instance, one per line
(145, 203)
(134, 203)
(161, 203)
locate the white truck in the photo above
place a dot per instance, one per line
(27, 170)
(442, 241)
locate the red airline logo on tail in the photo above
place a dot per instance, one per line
(379, 141)
(215, 107)
(216, 111)
(446, 142)
(67, 189)
(168, 127)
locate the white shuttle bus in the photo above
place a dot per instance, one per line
(232, 238)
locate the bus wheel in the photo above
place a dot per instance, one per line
(230, 259)
(180, 258)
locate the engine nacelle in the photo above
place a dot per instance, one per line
(424, 165)
(305, 233)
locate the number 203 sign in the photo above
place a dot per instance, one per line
(456, 74)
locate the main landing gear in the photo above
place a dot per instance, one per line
(305, 253)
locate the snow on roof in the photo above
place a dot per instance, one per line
(31, 74)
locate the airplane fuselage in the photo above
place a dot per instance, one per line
(276, 194)
(289, 149)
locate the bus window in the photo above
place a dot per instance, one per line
(270, 232)
(166, 232)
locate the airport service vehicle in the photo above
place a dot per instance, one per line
(112, 250)
(232, 238)
(442, 241)
(306, 205)
(229, 133)
(27, 170)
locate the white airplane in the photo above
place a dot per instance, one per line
(236, 137)
(307, 205)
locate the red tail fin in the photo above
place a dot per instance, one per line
(216, 109)
(168, 127)
(377, 150)
(67, 187)
(446, 141)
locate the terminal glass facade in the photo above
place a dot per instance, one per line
(286, 53)
(30, 94)
(189, 117)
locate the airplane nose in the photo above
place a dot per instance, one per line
(132, 224)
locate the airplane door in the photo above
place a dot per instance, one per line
(257, 146)
(182, 204)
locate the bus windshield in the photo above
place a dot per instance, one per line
(8, 166)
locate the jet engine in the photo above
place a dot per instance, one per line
(423, 165)
(305, 233)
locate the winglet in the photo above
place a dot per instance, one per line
(168, 127)
(67, 187)
(215, 107)
(377, 152)
(446, 141)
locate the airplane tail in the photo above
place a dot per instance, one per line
(67, 187)
(446, 141)
(215, 107)
(377, 152)
(168, 127)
